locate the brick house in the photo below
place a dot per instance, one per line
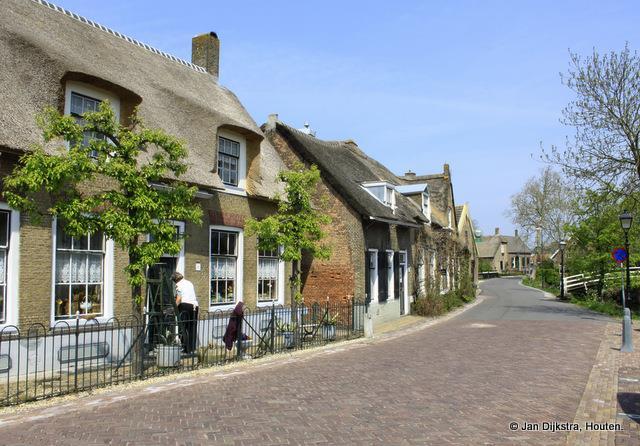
(52, 57)
(374, 226)
(506, 254)
(443, 250)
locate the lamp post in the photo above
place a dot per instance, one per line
(563, 243)
(626, 219)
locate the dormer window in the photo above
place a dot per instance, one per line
(232, 161)
(384, 193)
(81, 98)
(228, 160)
(426, 205)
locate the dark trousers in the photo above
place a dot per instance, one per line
(189, 323)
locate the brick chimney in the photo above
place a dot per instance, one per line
(205, 52)
(497, 231)
(410, 174)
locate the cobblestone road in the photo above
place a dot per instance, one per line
(458, 382)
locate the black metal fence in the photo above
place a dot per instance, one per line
(42, 362)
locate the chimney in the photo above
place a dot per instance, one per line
(409, 174)
(447, 172)
(272, 119)
(205, 52)
(497, 231)
(516, 232)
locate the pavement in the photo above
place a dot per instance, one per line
(492, 374)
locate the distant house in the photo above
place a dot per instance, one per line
(467, 240)
(507, 254)
(373, 229)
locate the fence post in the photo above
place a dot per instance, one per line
(239, 338)
(353, 315)
(273, 327)
(75, 372)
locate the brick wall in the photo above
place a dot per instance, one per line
(342, 276)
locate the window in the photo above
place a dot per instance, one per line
(426, 205)
(390, 275)
(5, 235)
(79, 274)
(80, 105)
(225, 266)
(228, 161)
(384, 193)
(450, 220)
(81, 98)
(268, 274)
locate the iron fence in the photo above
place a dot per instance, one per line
(73, 356)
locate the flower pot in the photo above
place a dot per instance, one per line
(168, 355)
(288, 339)
(329, 332)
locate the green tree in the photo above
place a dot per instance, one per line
(605, 151)
(597, 232)
(297, 226)
(109, 184)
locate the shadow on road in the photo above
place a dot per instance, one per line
(630, 404)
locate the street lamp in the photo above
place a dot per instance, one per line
(627, 337)
(626, 219)
(563, 243)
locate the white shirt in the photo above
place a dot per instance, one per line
(187, 293)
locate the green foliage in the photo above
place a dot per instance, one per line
(286, 327)
(107, 185)
(547, 274)
(434, 304)
(485, 266)
(297, 226)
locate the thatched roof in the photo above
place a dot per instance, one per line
(440, 193)
(40, 47)
(345, 166)
(488, 246)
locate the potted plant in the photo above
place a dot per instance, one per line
(169, 350)
(287, 330)
(329, 327)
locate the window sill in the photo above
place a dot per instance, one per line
(71, 323)
(232, 190)
(268, 304)
(8, 328)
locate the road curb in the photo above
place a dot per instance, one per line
(547, 295)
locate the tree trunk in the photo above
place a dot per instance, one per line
(293, 281)
(137, 310)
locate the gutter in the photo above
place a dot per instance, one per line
(394, 222)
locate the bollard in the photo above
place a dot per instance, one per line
(627, 333)
(368, 325)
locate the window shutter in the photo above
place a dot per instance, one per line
(382, 277)
(396, 275)
(367, 274)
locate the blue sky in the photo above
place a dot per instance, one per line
(415, 84)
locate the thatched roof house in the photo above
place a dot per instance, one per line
(43, 46)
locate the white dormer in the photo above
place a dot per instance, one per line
(384, 192)
(426, 205)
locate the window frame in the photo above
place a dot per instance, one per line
(391, 273)
(389, 192)
(279, 280)
(180, 255)
(239, 297)
(90, 92)
(107, 281)
(12, 271)
(240, 189)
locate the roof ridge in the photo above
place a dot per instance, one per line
(131, 40)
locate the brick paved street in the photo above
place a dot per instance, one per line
(514, 357)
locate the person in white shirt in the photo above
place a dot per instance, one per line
(187, 304)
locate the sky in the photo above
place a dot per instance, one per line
(475, 84)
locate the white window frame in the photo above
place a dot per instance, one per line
(107, 284)
(12, 279)
(450, 218)
(389, 192)
(241, 188)
(405, 279)
(426, 205)
(91, 92)
(279, 284)
(180, 255)
(373, 277)
(239, 268)
(391, 289)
